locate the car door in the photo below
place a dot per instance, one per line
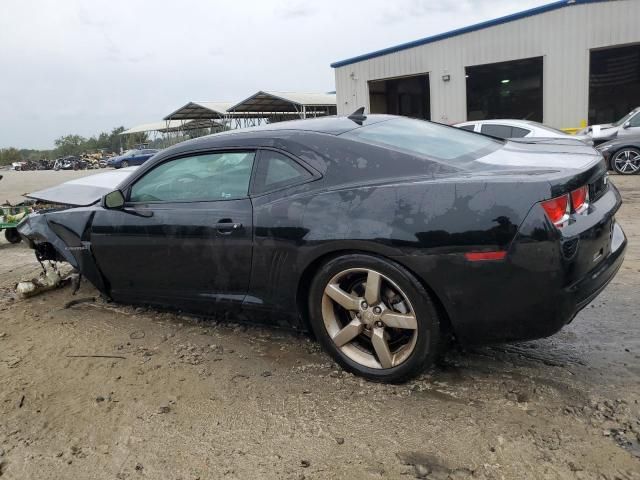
(135, 158)
(184, 236)
(631, 127)
(149, 154)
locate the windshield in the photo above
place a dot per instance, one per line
(129, 152)
(427, 139)
(625, 118)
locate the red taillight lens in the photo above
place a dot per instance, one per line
(557, 209)
(579, 199)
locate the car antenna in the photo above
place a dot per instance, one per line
(358, 116)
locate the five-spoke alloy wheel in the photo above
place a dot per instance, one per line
(374, 317)
(626, 161)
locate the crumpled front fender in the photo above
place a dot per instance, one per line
(64, 236)
(36, 231)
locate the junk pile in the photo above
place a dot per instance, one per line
(86, 161)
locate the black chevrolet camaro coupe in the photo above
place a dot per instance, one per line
(382, 235)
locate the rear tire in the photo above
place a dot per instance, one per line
(374, 318)
(12, 235)
(626, 161)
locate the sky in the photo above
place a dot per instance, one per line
(86, 66)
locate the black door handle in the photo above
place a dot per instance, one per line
(227, 226)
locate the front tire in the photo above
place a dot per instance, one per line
(12, 235)
(626, 161)
(374, 318)
(124, 164)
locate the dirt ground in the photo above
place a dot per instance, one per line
(179, 398)
(14, 184)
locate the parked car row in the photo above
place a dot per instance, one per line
(72, 162)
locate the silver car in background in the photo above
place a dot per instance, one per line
(627, 126)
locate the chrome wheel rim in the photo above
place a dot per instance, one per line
(627, 161)
(369, 318)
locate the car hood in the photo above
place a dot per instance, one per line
(554, 153)
(84, 191)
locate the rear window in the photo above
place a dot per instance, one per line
(427, 139)
(502, 131)
(517, 132)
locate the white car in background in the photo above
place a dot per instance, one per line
(519, 129)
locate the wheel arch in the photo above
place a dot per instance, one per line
(309, 272)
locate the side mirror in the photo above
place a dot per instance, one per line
(113, 200)
(626, 125)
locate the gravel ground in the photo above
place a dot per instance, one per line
(178, 398)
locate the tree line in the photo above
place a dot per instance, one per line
(76, 145)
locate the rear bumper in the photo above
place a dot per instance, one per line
(586, 289)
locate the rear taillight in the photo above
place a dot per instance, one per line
(580, 199)
(557, 209)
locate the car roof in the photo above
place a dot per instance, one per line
(332, 125)
(324, 125)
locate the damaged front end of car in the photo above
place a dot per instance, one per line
(60, 228)
(62, 235)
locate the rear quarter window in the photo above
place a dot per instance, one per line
(517, 132)
(430, 140)
(501, 131)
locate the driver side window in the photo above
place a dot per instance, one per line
(206, 177)
(635, 121)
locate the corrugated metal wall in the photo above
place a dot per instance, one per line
(564, 37)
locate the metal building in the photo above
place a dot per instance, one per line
(565, 63)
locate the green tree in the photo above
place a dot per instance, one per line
(10, 155)
(136, 139)
(115, 139)
(69, 145)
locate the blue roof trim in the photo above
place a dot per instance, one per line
(472, 28)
